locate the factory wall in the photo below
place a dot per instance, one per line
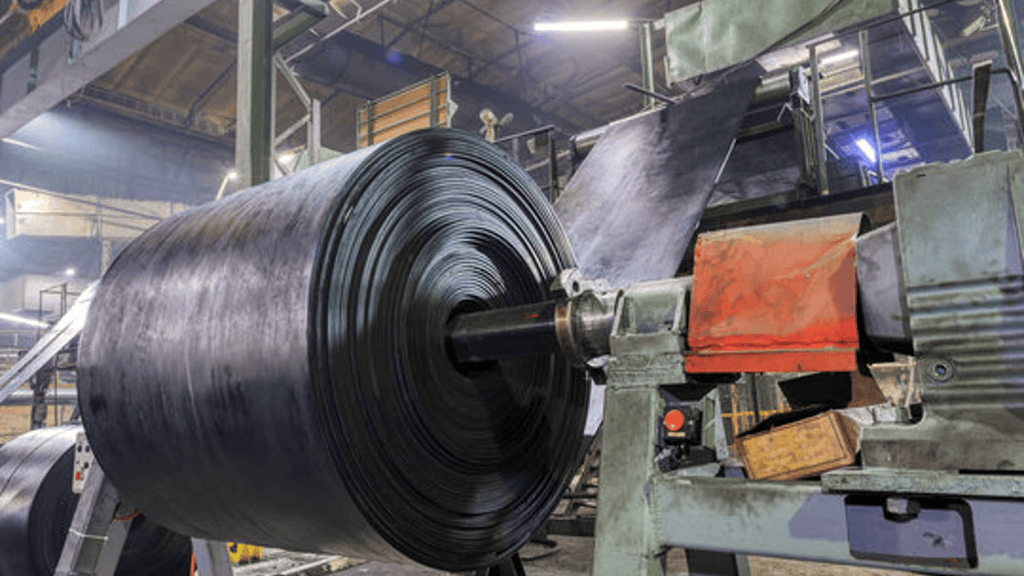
(82, 149)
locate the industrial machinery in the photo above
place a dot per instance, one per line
(389, 352)
(938, 488)
(403, 353)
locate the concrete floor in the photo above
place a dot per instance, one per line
(14, 421)
(574, 556)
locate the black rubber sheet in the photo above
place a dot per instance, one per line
(633, 206)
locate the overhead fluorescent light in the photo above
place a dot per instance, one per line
(580, 26)
(70, 272)
(839, 57)
(20, 143)
(867, 149)
(24, 321)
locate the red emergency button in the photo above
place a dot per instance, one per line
(674, 420)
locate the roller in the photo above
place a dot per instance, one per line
(273, 368)
(37, 505)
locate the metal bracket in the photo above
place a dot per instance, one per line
(212, 557)
(98, 533)
(96, 537)
(84, 461)
(311, 119)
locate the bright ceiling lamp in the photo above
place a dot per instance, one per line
(839, 57)
(581, 26)
(21, 320)
(866, 148)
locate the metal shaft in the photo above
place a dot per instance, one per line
(579, 327)
(518, 331)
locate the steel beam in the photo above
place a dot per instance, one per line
(253, 131)
(305, 17)
(211, 557)
(982, 79)
(800, 520)
(139, 22)
(203, 96)
(865, 60)
(422, 20)
(407, 71)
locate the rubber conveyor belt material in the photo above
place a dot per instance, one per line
(271, 368)
(37, 504)
(635, 203)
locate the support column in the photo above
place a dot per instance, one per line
(821, 151)
(647, 63)
(625, 542)
(106, 254)
(865, 59)
(253, 132)
(313, 132)
(1008, 35)
(211, 557)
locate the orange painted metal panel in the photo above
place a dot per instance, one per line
(776, 298)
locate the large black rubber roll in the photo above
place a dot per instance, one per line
(272, 368)
(37, 505)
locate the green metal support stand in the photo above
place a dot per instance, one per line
(253, 131)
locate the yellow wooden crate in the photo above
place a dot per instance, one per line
(800, 449)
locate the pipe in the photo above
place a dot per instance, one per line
(647, 64)
(24, 398)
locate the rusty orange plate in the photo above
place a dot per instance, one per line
(776, 298)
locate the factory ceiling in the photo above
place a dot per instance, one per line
(187, 77)
(185, 81)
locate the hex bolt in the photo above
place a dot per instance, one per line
(941, 370)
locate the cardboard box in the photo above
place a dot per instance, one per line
(807, 447)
